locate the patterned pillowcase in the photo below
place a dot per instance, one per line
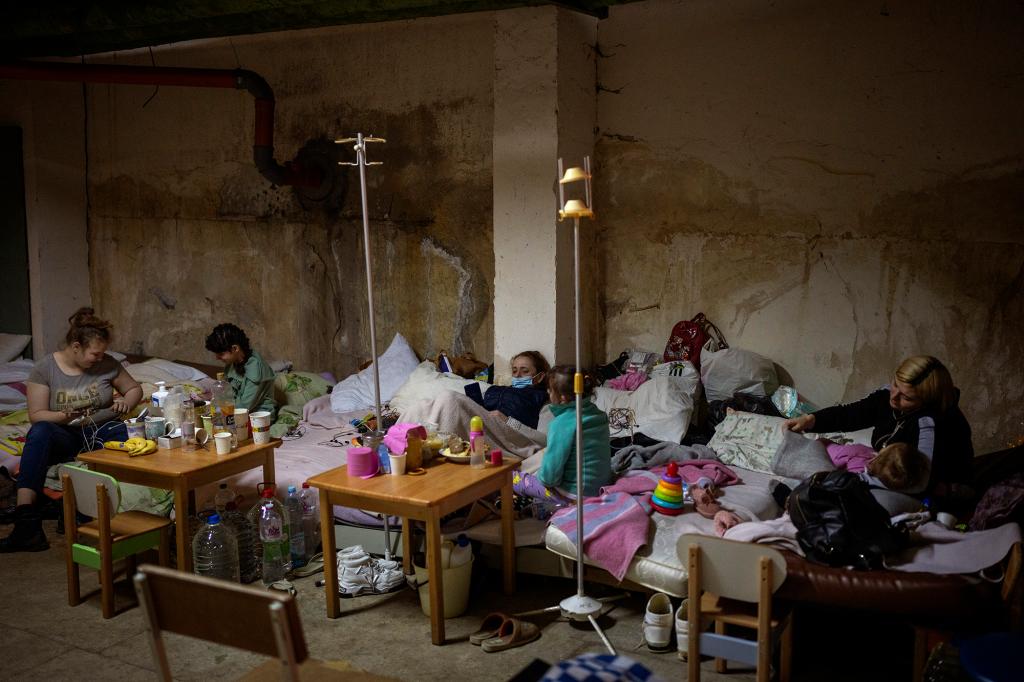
(748, 440)
(298, 388)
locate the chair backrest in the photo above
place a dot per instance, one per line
(85, 482)
(732, 569)
(222, 612)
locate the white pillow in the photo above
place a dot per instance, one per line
(159, 369)
(12, 346)
(662, 405)
(355, 391)
(426, 382)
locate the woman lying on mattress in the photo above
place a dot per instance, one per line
(72, 407)
(511, 414)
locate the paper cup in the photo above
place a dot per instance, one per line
(260, 427)
(242, 432)
(223, 441)
(397, 464)
(136, 429)
(202, 436)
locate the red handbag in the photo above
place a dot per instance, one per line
(688, 338)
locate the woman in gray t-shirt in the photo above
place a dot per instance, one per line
(76, 382)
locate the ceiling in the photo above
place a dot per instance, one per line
(67, 28)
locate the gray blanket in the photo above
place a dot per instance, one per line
(649, 456)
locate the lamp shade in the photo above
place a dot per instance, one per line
(576, 208)
(574, 174)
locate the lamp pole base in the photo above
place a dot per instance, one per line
(580, 607)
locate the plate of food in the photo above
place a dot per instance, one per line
(455, 450)
(458, 458)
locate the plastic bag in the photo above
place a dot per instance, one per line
(734, 370)
(791, 404)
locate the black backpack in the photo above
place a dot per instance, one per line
(840, 523)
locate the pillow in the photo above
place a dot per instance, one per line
(298, 388)
(356, 391)
(799, 457)
(158, 369)
(748, 440)
(426, 382)
(661, 406)
(12, 346)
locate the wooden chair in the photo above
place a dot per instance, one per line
(114, 536)
(731, 583)
(265, 622)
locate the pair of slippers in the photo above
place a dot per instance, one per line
(499, 632)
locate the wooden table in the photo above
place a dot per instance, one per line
(444, 488)
(183, 472)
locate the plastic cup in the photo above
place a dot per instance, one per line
(242, 431)
(208, 423)
(136, 429)
(260, 427)
(397, 464)
(223, 441)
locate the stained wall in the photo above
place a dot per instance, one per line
(836, 185)
(184, 232)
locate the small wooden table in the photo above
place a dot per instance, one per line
(183, 472)
(444, 488)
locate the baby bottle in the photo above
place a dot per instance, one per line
(476, 443)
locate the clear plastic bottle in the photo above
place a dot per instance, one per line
(215, 550)
(296, 537)
(157, 398)
(462, 552)
(249, 566)
(223, 497)
(188, 426)
(273, 528)
(310, 518)
(477, 446)
(172, 406)
(224, 409)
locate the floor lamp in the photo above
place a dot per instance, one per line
(579, 606)
(362, 163)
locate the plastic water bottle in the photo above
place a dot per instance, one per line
(274, 538)
(310, 518)
(215, 550)
(296, 537)
(157, 399)
(223, 497)
(224, 409)
(249, 566)
(462, 552)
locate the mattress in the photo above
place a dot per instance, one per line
(656, 566)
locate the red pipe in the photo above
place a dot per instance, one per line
(238, 79)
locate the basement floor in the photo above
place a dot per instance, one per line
(44, 638)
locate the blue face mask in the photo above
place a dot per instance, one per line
(522, 382)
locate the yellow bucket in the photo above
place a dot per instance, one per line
(456, 588)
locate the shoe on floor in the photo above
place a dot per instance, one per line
(512, 633)
(657, 625)
(682, 630)
(28, 535)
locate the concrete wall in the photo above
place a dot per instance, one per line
(837, 185)
(51, 118)
(185, 233)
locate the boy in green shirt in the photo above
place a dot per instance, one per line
(249, 375)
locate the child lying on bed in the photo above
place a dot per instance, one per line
(251, 378)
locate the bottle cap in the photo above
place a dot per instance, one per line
(268, 492)
(291, 489)
(305, 484)
(462, 540)
(213, 519)
(476, 424)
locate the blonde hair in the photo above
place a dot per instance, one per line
(930, 379)
(898, 466)
(560, 380)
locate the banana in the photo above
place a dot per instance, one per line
(133, 446)
(118, 445)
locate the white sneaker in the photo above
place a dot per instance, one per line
(682, 630)
(354, 580)
(359, 573)
(657, 626)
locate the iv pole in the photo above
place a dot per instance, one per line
(362, 163)
(579, 606)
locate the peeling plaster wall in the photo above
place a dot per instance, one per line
(837, 185)
(185, 233)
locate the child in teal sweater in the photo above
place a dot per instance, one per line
(557, 473)
(251, 378)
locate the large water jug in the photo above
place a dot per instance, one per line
(310, 519)
(296, 538)
(215, 550)
(249, 566)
